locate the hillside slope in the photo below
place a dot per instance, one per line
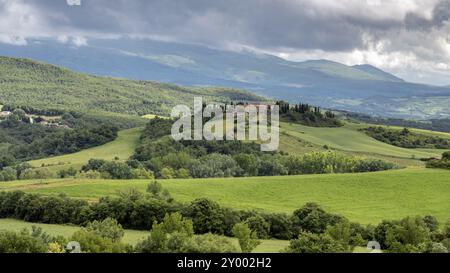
(25, 82)
(122, 148)
(349, 139)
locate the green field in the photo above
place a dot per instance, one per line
(365, 198)
(131, 237)
(349, 139)
(123, 147)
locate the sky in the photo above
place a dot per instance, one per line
(409, 38)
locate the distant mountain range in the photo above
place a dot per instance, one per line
(361, 88)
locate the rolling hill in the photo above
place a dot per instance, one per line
(25, 82)
(349, 139)
(362, 88)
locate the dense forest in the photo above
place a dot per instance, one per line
(24, 140)
(407, 139)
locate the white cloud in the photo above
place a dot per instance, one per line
(63, 39)
(13, 40)
(79, 41)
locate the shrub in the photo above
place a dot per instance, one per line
(444, 163)
(344, 233)
(12, 242)
(71, 172)
(182, 174)
(91, 242)
(447, 229)
(93, 165)
(142, 173)
(406, 236)
(280, 226)
(248, 240)
(8, 174)
(259, 225)
(312, 218)
(90, 175)
(41, 173)
(431, 222)
(438, 248)
(169, 236)
(167, 173)
(117, 170)
(207, 216)
(108, 228)
(315, 243)
(209, 243)
(446, 156)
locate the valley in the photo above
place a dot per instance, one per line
(392, 183)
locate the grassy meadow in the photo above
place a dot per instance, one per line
(123, 147)
(367, 198)
(349, 139)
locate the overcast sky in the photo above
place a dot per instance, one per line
(410, 38)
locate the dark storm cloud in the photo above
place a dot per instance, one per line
(408, 35)
(440, 15)
(257, 23)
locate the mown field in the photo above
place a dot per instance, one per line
(123, 147)
(349, 139)
(131, 237)
(365, 198)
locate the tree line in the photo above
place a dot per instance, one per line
(405, 138)
(196, 227)
(167, 158)
(443, 163)
(307, 115)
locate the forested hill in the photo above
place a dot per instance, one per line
(25, 82)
